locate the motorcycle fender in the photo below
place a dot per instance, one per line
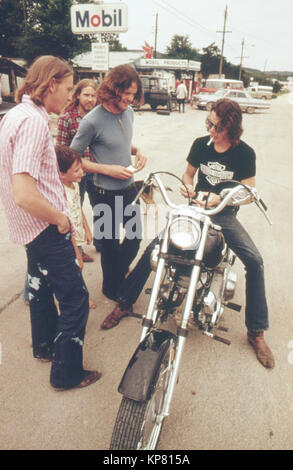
(141, 373)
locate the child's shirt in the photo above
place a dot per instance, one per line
(73, 199)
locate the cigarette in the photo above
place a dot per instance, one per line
(210, 141)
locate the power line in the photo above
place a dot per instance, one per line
(179, 15)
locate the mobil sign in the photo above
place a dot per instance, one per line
(99, 18)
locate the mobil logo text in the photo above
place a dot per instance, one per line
(94, 18)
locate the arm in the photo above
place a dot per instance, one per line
(77, 253)
(88, 233)
(140, 159)
(188, 180)
(249, 181)
(27, 196)
(215, 199)
(115, 171)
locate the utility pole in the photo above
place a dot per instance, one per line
(156, 35)
(241, 59)
(223, 42)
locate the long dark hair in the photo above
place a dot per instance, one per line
(117, 81)
(231, 118)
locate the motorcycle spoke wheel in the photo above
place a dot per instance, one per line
(138, 424)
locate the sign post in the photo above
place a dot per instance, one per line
(100, 56)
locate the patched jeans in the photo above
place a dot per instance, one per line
(53, 271)
(256, 311)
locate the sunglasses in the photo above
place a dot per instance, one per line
(217, 127)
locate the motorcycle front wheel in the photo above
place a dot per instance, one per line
(138, 424)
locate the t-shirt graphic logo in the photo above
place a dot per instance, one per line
(215, 172)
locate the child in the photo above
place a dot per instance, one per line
(69, 162)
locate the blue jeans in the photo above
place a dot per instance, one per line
(132, 286)
(115, 257)
(256, 311)
(52, 270)
(87, 186)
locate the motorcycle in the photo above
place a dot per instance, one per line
(193, 282)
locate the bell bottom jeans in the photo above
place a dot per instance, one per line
(53, 271)
(256, 310)
(113, 211)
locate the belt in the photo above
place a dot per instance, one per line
(114, 192)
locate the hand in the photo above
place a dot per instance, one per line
(212, 201)
(88, 237)
(187, 191)
(80, 261)
(140, 161)
(63, 225)
(119, 172)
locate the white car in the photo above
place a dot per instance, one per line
(242, 97)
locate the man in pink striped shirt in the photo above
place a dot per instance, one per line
(38, 218)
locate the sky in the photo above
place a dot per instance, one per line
(265, 27)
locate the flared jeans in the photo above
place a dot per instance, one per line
(54, 275)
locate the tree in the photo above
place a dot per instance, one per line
(210, 60)
(13, 16)
(114, 42)
(31, 28)
(48, 31)
(181, 48)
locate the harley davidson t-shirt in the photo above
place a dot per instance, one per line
(237, 163)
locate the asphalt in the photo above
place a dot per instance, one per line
(224, 399)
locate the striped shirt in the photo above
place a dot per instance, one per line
(26, 146)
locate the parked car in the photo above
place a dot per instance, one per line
(260, 91)
(156, 91)
(242, 97)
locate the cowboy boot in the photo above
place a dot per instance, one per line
(263, 352)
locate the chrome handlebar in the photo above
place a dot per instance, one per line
(234, 196)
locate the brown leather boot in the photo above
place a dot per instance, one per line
(263, 352)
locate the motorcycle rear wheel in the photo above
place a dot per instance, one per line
(138, 424)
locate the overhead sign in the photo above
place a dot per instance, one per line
(91, 18)
(100, 56)
(171, 64)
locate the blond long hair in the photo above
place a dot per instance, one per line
(77, 90)
(39, 75)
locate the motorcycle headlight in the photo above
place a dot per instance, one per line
(185, 233)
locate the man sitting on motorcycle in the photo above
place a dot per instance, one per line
(226, 157)
(222, 156)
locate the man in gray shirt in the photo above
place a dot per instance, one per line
(108, 131)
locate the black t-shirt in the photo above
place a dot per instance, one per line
(236, 163)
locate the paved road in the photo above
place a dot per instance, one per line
(224, 399)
